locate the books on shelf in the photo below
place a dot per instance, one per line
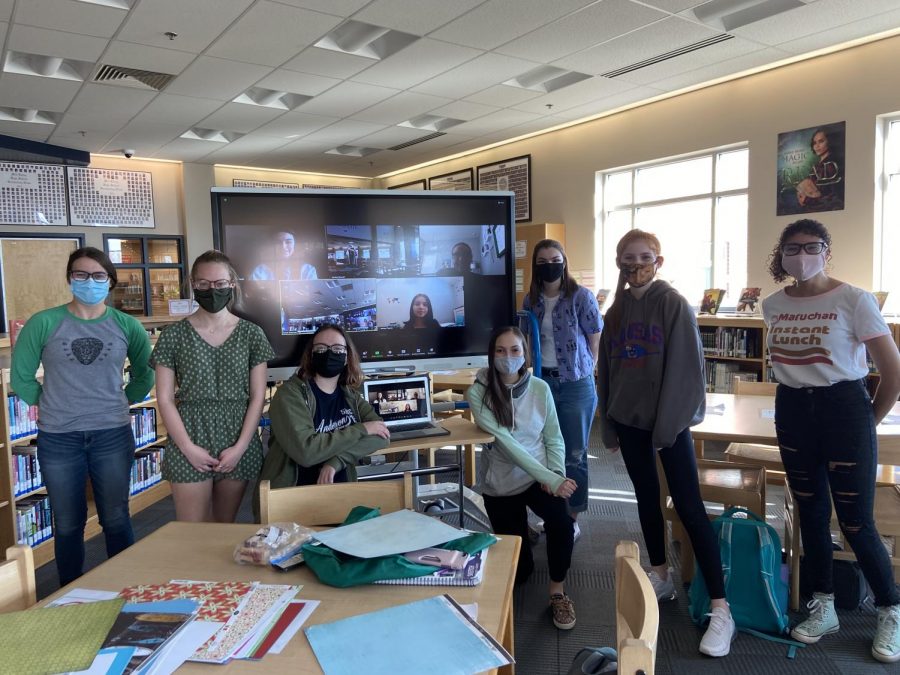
(22, 417)
(27, 475)
(146, 470)
(720, 377)
(33, 520)
(143, 426)
(743, 343)
(712, 298)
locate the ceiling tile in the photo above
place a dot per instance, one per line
(42, 93)
(346, 99)
(85, 132)
(109, 104)
(33, 40)
(337, 7)
(184, 111)
(477, 74)
(245, 149)
(498, 120)
(6, 10)
(342, 132)
(144, 138)
(498, 21)
(723, 68)
(590, 26)
(218, 79)
(287, 31)
(420, 61)
(673, 5)
(294, 124)
(400, 108)
(33, 132)
(328, 63)
(187, 150)
(297, 83)
(419, 17)
(501, 96)
(663, 36)
(576, 95)
(240, 117)
(845, 33)
(144, 57)
(464, 110)
(627, 97)
(70, 16)
(197, 22)
(390, 137)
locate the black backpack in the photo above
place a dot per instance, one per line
(850, 587)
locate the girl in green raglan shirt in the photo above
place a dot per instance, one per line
(84, 427)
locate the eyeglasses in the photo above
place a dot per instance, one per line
(811, 248)
(84, 276)
(218, 284)
(334, 349)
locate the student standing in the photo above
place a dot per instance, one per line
(321, 424)
(84, 427)
(217, 361)
(525, 465)
(652, 390)
(570, 325)
(819, 330)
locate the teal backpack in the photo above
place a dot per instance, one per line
(751, 563)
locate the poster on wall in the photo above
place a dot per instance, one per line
(414, 185)
(32, 194)
(510, 174)
(811, 170)
(459, 180)
(246, 183)
(110, 198)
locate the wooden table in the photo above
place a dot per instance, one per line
(202, 551)
(455, 380)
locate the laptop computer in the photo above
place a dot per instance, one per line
(404, 403)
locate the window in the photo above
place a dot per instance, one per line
(887, 272)
(697, 206)
(150, 269)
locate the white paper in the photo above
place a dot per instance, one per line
(767, 413)
(188, 640)
(521, 246)
(718, 409)
(398, 532)
(78, 596)
(891, 419)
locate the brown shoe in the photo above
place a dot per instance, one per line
(563, 610)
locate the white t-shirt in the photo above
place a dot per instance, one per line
(818, 341)
(548, 344)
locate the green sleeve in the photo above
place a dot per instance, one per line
(355, 453)
(26, 356)
(553, 438)
(142, 375)
(294, 430)
(260, 349)
(506, 443)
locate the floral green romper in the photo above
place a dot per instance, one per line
(213, 391)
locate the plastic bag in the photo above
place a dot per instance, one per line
(272, 544)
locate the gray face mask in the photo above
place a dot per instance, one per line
(508, 365)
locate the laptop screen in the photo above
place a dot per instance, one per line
(400, 400)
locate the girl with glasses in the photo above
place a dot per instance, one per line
(217, 363)
(819, 330)
(84, 428)
(321, 424)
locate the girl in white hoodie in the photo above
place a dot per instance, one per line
(525, 465)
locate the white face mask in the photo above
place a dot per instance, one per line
(508, 365)
(803, 266)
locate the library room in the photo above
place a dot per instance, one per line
(486, 336)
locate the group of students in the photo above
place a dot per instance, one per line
(210, 378)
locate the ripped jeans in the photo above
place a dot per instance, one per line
(828, 443)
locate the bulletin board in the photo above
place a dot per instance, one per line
(33, 273)
(245, 183)
(32, 194)
(110, 198)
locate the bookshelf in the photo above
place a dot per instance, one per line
(24, 508)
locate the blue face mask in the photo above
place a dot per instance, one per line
(89, 292)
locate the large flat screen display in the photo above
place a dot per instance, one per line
(419, 280)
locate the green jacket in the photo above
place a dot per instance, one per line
(294, 440)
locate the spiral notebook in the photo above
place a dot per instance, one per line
(471, 574)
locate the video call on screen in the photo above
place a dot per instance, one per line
(407, 277)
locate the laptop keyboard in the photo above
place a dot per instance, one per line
(412, 427)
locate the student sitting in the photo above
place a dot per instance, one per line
(321, 425)
(525, 465)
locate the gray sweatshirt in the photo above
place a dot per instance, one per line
(651, 369)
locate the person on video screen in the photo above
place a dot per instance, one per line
(461, 254)
(284, 264)
(421, 315)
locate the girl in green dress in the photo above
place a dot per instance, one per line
(218, 363)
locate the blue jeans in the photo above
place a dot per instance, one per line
(680, 465)
(67, 459)
(576, 403)
(829, 450)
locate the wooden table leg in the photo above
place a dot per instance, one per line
(469, 462)
(698, 448)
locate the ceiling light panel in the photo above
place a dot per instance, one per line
(352, 151)
(270, 98)
(365, 39)
(731, 14)
(431, 122)
(115, 4)
(29, 115)
(39, 65)
(546, 79)
(214, 135)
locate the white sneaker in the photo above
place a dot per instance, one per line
(822, 620)
(664, 588)
(576, 532)
(886, 645)
(719, 634)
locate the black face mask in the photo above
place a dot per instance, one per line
(213, 300)
(551, 271)
(328, 364)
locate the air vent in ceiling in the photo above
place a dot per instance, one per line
(133, 77)
(415, 141)
(668, 55)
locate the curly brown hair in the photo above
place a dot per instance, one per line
(352, 375)
(804, 226)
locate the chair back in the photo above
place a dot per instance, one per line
(637, 613)
(740, 386)
(323, 505)
(17, 588)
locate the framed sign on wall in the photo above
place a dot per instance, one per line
(510, 174)
(245, 183)
(413, 185)
(459, 180)
(110, 198)
(32, 194)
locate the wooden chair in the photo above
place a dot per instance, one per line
(637, 613)
(322, 505)
(17, 587)
(757, 454)
(726, 483)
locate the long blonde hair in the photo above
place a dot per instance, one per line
(614, 313)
